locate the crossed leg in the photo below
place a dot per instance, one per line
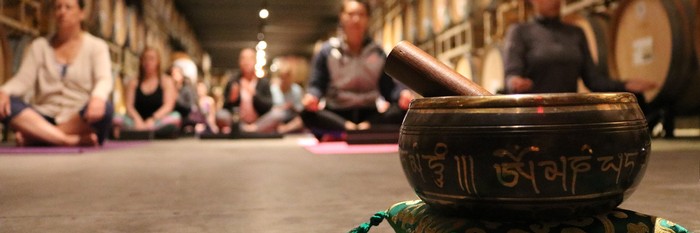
(33, 129)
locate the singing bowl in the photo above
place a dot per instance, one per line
(524, 157)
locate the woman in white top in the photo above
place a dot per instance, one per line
(70, 73)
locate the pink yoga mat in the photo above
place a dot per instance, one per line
(326, 148)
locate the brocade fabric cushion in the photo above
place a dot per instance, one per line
(416, 217)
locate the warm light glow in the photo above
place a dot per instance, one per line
(261, 62)
(264, 14)
(262, 45)
(275, 65)
(260, 55)
(260, 59)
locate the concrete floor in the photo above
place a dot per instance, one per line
(270, 185)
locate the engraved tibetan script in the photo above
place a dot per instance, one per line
(436, 163)
(509, 173)
(565, 169)
(617, 163)
(465, 173)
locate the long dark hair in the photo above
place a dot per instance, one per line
(142, 71)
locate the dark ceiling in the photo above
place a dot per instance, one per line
(224, 27)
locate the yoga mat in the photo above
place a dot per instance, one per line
(326, 148)
(108, 145)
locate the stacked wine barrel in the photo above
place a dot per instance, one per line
(656, 40)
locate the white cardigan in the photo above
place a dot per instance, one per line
(88, 75)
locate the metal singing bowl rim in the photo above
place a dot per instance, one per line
(524, 100)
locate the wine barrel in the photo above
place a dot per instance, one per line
(410, 22)
(5, 57)
(425, 30)
(493, 70)
(387, 35)
(132, 21)
(468, 66)
(104, 17)
(460, 11)
(440, 16)
(652, 40)
(140, 35)
(119, 33)
(18, 47)
(470, 10)
(596, 27)
(90, 13)
(119, 94)
(397, 30)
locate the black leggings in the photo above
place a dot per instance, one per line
(334, 119)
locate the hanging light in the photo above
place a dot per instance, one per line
(262, 45)
(264, 13)
(261, 55)
(260, 59)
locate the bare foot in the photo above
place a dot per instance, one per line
(364, 125)
(26, 140)
(116, 132)
(71, 140)
(84, 140)
(249, 127)
(19, 139)
(350, 126)
(226, 130)
(282, 129)
(199, 128)
(88, 140)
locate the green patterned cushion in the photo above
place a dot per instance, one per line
(416, 217)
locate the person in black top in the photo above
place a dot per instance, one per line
(150, 100)
(245, 95)
(547, 56)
